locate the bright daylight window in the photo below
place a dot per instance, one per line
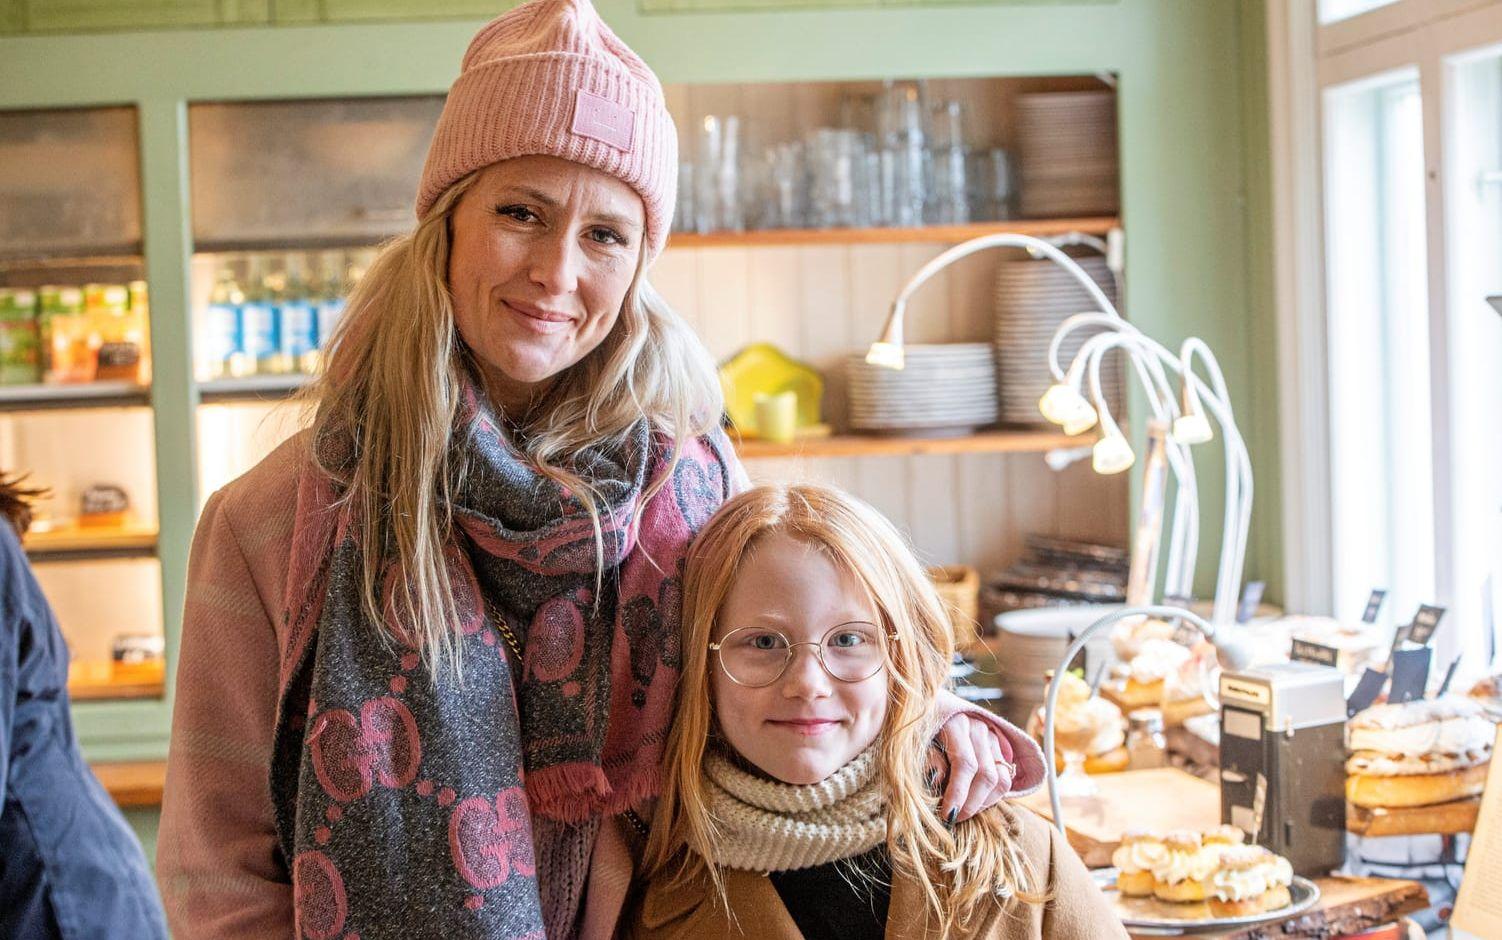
(1332, 10)
(1474, 244)
(1381, 456)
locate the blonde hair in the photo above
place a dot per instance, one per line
(964, 871)
(389, 396)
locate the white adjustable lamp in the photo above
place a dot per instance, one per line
(1180, 408)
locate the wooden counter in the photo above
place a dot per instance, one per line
(133, 785)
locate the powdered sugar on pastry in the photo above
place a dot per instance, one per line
(1448, 725)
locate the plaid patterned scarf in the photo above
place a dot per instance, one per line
(467, 809)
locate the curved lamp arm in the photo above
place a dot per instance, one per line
(1232, 652)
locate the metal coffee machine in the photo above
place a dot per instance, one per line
(1282, 761)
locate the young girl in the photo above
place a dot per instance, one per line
(795, 801)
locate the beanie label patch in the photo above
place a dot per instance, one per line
(602, 119)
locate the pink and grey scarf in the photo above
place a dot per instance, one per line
(408, 807)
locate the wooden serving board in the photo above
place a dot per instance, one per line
(1345, 905)
(1160, 799)
(1445, 819)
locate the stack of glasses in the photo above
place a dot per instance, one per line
(894, 161)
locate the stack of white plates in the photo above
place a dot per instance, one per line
(944, 388)
(1030, 643)
(1032, 299)
(1067, 162)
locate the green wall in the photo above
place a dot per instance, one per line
(1194, 145)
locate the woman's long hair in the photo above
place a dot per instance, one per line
(390, 394)
(964, 871)
(16, 500)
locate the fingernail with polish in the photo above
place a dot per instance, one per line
(952, 815)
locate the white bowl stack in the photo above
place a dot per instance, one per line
(944, 388)
(1067, 159)
(1032, 299)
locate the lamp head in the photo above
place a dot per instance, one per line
(1112, 454)
(887, 355)
(1192, 427)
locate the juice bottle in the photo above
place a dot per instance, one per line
(299, 318)
(121, 333)
(60, 317)
(258, 319)
(20, 355)
(330, 301)
(223, 351)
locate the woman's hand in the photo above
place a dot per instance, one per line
(970, 759)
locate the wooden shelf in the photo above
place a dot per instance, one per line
(135, 540)
(252, 388)
(80, 395)
(1041, 228)
(858, 445)
(134, 785)
(93, 680)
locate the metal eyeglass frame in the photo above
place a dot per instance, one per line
(716, 648)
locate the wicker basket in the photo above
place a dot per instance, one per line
(959, 589)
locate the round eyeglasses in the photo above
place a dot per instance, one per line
(758, 656)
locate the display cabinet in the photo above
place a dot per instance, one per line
(75, 373)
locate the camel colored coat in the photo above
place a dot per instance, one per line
(1077, 911)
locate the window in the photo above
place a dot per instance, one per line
(1382, 486)
(1333, 10)
(1473, 385)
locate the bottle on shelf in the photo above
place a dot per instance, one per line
(298, 314)
(224, 350)
(258, 319)
(20, 355)
(330, 299)
(119, 321)
(63, 332)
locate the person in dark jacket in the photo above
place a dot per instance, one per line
(69, 865)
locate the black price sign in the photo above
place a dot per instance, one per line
(1449, 675)
(1374, 606)
(1250, 598)
(1306, 652)
(1425, 622)
(1410, 674)
(1366, 691)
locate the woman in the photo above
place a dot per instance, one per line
(793, 802)
(69, 865)
(430, 645)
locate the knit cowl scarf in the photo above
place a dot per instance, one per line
(409, 806)
(769, 826)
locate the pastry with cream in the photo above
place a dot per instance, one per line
(1418, 753)
(1184, 688)
(1129, 633)
(1489, 693)
(1249, 879)
(1135, 858)
(1087, 724)
(1184, 873)
(1140, 681)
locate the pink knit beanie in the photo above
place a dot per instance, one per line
(549, 77)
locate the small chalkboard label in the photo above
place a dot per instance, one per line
(1374, 606)
(1410, 674)
(1250, 598)
(1305, 651)
(1449, 675)
(1366, 691)
(1425, 622)
(1399, 636)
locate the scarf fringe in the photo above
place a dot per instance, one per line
(572, 793)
